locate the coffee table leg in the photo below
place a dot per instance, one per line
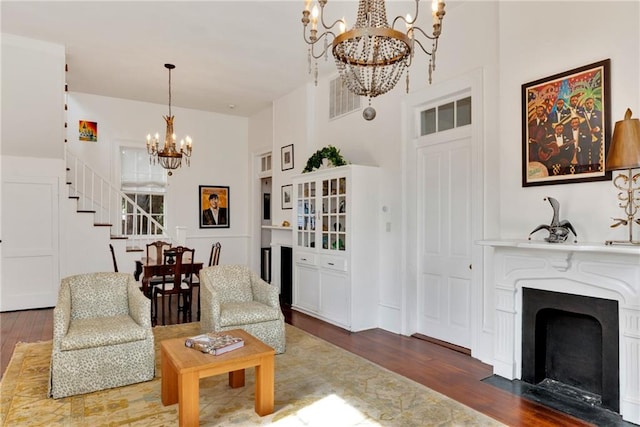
(189, 399)
(236, 378)
(169, 381)
(265, 379)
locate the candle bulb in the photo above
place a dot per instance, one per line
(408, 21)
(434, 8)
(314, 18)
(307, 3)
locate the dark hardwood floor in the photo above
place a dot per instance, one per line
(442, 369)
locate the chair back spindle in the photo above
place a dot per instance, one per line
(214, 257)
(113, 258)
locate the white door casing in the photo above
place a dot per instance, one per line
(428, 281)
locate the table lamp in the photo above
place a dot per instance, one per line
(624, 154)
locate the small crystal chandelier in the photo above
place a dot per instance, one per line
(168, 156)
(371, 56)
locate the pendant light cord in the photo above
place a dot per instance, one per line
(169, 92)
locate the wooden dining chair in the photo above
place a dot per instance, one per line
(176, 263)
(155, 252)
(113, 258)
(214, 259)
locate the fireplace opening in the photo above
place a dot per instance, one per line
(570, 346)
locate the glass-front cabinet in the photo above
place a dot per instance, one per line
(306, 214)
(332, 218)
(335, 245)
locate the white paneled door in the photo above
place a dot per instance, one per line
(444, 207)
(30, 260)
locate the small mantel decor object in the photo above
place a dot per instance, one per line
(558, 230)
(624, 154)
(331, 153)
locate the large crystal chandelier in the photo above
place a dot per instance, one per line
(371, 56)
(168, 156)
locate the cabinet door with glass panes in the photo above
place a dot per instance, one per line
(333, 217)
(306, 215)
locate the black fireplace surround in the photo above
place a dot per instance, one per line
(572, 340)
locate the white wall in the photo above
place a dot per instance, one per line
(32, 171)
(220, 157)
(32, 98)
(529, 50)
(512, 43)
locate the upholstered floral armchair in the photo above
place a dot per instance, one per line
(234, 297)
(102, 336)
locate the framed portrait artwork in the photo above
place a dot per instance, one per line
(214, 206)
(287, 157)
(287, 196)
(566, 127)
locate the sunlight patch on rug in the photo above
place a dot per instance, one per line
(316, 384)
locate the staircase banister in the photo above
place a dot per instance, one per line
(79, 164)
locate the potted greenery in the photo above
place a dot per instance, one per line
(331, 153)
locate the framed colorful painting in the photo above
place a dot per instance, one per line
(566, 127)
(214, 206)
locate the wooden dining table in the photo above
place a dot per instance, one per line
(150, 267)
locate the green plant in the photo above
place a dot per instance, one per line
(330, 153)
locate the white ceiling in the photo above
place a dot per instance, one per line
(245, 53)
(242, 53)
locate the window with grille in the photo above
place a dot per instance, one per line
(145, 184)
(341, 100)
(449, 115)
(265, 163)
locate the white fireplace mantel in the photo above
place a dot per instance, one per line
(588, 269)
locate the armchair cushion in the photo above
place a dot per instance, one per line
(240, 313)
(105, 297)
(236, 286)
(100, 332)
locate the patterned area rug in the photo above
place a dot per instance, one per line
(317, 384)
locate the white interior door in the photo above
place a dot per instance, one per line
(444, 209)
(30, 254)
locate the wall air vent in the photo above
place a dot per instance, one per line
(341, 101)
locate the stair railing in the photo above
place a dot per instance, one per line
(110, 205)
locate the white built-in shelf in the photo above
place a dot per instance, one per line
(276, 227)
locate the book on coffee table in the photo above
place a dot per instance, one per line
(213, 343)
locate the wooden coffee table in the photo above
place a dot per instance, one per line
(182, 368)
